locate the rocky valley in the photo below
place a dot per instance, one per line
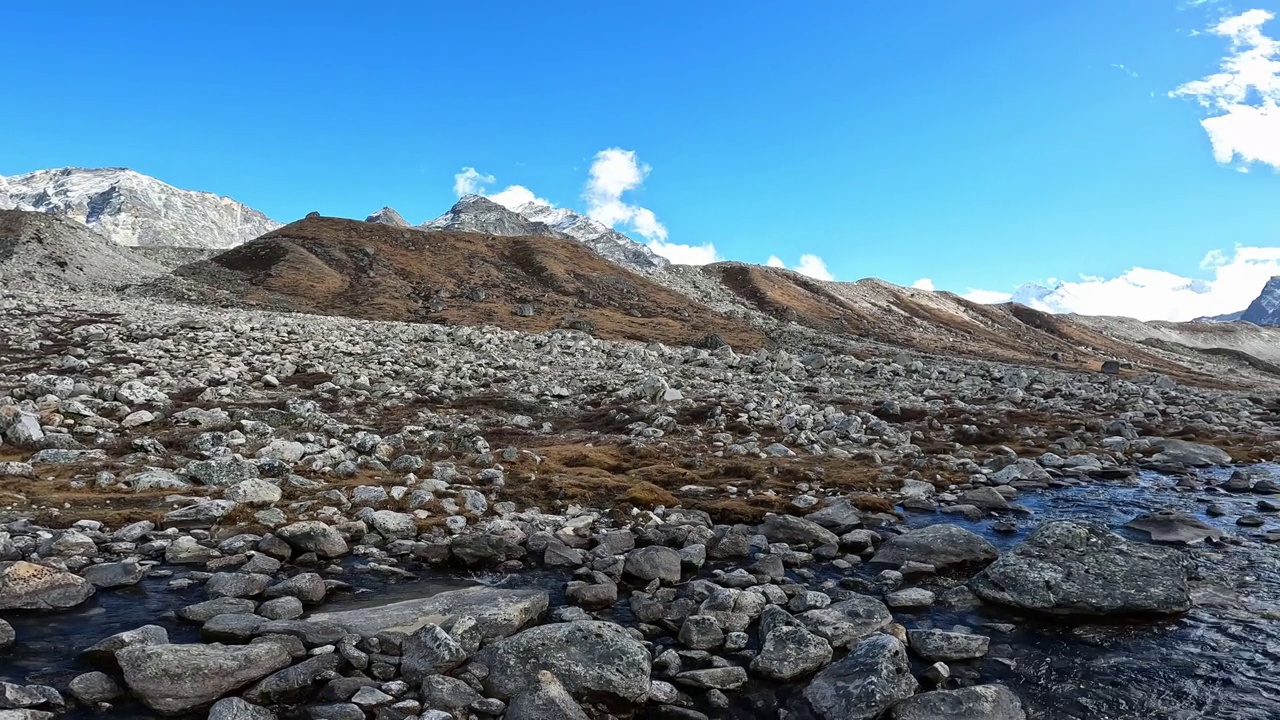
(506, 466)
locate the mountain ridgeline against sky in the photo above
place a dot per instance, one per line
(474, 213)
(130, 208)
(1266, 309)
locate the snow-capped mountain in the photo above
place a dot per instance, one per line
(1265, 310)
(474, 213)
(606, 241)
(130, 208)
(1034, 295)
(388, 216)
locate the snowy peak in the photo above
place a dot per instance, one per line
(130, 208)
(474, 213)
(479, 214)
(1265, 310)
(388, 216)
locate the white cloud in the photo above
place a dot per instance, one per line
(614, 172)
(685, 254)
(1238, 278)
(1126, 70)
(471, 182)
(814, 267)
(515, 196)
(810, 265)
(923, 284)
(1244, 94)
(987, 297)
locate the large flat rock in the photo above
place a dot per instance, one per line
(498, 612)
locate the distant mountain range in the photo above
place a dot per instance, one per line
(133, 209)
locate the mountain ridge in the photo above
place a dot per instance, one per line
(133, 209)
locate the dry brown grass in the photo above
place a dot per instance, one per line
(377, 272)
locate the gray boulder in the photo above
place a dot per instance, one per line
(655, 562)
(1082, 569)
(116, 574)
(863, 684)
(947, 646)
(545, 699)
(429, 651)
(943, 546)
(103, 653)
(790, 652)
(1188, 453)
(27, 586)
(179, 678)
(200, 515)
(587, 656)
(844, 622)
(233, 708)
(94, 687)
(980, 702)
(796, 531)
(498, 612)
(314, 536)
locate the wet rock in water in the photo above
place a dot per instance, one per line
(94, 687)
(14, 698)
(1188, 453)
(844, 622)
(1173, 526)
(1251, 521)
(27, 586)
(314, 536)
(943, 546)
(586, 656)
(498, 612)
(7, 635)
(980, 702)
(233, 708)
(655, 562)
(544, 700)
(863, 684)
(790, 652)
(1238, 482)
(948, 646)
(116, 574)
(731, 677)
(180, 678)
(796, 531)
(103, 653)
(1082, 569)
(909, 599)
(209, 609)
(296, 683)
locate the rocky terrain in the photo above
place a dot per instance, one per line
(358, 470)
(130, 208)
(1265, 310)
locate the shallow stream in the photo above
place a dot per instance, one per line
(1218, 662)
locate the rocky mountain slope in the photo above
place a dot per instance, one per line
(375, 271)
(130, 208)
(55, 252)
(478, 214)
(1265, 310)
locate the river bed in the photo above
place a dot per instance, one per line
(1215, 662)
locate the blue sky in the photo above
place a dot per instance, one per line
(979, 144)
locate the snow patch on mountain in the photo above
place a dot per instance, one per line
(1265, 310)
(133, 209)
